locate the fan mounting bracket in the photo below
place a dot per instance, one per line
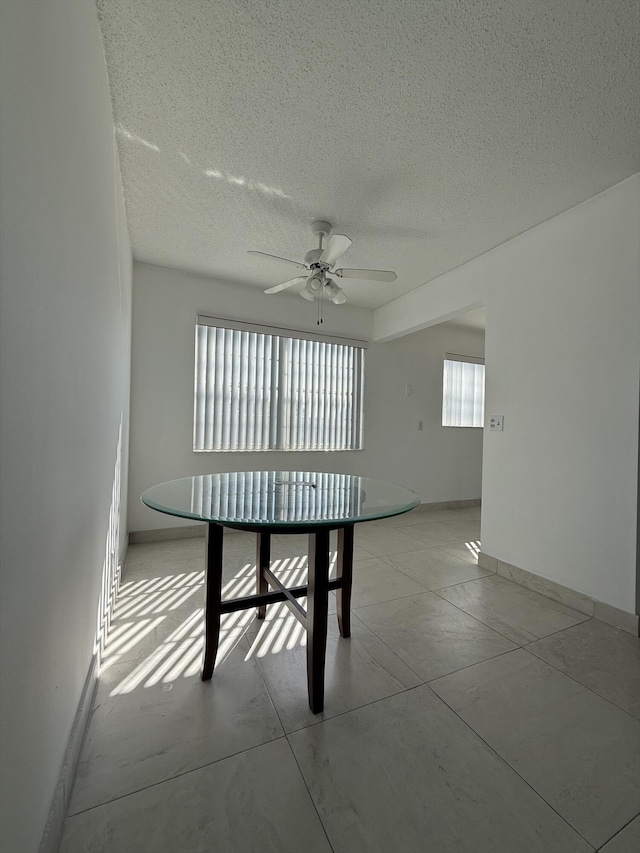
(321, 228)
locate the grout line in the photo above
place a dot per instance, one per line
(471, 665)
(470, 616)
(358, 708)
(313, 802)
(174, 776)
(576, 680)
(617, 832)
(487, 625)
(445, 586)
(316, 722)
(513, 769)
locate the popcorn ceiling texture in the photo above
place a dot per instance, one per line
(429, 131)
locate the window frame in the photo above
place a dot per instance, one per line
(281, 389)
(465, 359)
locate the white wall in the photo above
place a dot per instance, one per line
(440, 463)
(437, 463)
(562, 355)
(65, 272)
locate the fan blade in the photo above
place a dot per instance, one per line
(340, 298)
(285, 284)
(278, 258)
(369, 275)
(337, 245)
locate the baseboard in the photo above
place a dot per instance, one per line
(628, 622)
(52, 835)
(448, 505)
(124, 547)
(163, 534)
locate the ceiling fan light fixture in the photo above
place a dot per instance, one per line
(315, 284)
(331, 289)
(340, 297)
(306, 295)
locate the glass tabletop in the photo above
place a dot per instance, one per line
(273, 499)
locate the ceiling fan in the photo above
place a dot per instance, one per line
(319, 266)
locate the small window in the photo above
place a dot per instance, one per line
(463, 391)
(262, 388)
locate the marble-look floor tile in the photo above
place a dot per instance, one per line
(434, 568)
(175, 557)
(626, 841)
(152, 613)
(405, 774)
(150, 582)
(379, 542)
(467, 529)
(575, 749)
(154, 719)
(360, 553)
(298, 544)
(250, 803)
(157, 591)
(518, 613)
(158, 633)
(602, 658)
(171, 557)
(278, 617)
(405, 519)
(468, 551)
(359, 670)
(441, 533)
(432, 636)
(375, 580)
(470, 513)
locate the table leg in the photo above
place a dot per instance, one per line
(213, 596)
(345, 572)
(317, 606)
(263, 559)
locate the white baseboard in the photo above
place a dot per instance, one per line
(599, 610)
(163, 534)
(52, 835)
(448, 504)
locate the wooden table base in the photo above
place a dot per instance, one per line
(316, 590)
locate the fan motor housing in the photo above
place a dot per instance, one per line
(312, 256)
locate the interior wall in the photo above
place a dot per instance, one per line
(434, 462)
(559, 494)
(440, 463)
(65, 298)
(560, 486)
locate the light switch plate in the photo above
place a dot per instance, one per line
(496, 423)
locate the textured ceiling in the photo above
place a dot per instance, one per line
(429, 131)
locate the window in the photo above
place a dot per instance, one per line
(261, 388)
(463, 391)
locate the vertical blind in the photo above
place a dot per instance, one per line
(258, 390)
(463, 391)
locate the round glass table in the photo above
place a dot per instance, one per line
(266, 502)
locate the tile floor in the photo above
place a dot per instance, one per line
(464, 714)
